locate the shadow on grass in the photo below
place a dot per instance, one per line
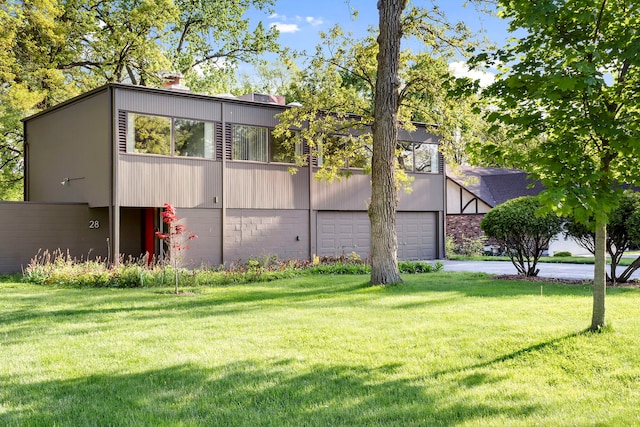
(57, 306)
(248, 394)
(514, 355)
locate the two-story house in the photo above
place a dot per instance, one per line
(120, 152)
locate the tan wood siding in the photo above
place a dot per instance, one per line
(151, 181)
(252, 185)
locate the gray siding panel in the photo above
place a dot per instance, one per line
(71, 142)
(183, 182)
(348, 194)
(354, 193)
(265, 186)
(254, 233)
(29, 227)
(169, 104)
(427, 194)
(256, 115)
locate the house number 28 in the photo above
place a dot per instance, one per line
(94, 224)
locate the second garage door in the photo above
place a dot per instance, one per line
(341, 233)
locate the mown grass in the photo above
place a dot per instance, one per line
(443, 349)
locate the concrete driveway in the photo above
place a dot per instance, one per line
(553, 270)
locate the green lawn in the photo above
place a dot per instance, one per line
(444, 349)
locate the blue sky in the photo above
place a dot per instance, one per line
(299, 21)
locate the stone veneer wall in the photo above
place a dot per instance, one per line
(464, 226)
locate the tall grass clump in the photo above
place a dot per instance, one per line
(59, 268)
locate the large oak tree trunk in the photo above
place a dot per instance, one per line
(384, 192)
(599, 277)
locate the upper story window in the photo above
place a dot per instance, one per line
(416, 157)
(256, 143)
(147, 134)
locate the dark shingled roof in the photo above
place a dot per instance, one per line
(494, 185)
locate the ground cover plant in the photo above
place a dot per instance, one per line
(445, 349)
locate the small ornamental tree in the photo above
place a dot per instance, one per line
(522, 230)
(622, 233)
(176, 238)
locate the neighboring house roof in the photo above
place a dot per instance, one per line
(494, 185)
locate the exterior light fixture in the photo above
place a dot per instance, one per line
(67, 179)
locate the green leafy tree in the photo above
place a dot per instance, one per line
(522, 231)
(622, 234)
(53, 50)
(568, 95)
(363, 90)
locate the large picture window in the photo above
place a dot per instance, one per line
(149, 134)
(193, 138)
(257, 144)
(167, 136)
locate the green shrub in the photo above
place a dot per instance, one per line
(413, 267)
(562, 254)
(473, 246)
(623, 233)
(450, 246)
(523, 230)
(340, 268)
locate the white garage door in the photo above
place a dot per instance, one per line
(345, 232)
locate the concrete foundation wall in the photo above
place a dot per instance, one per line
(254, 233)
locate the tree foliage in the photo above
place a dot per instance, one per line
(364, 90)
(622, 234)
(52, 50)
(567, 93)
(522, 231)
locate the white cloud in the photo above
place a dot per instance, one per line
(277, 16)
(314, 21)
(286, 28)
(461, 69)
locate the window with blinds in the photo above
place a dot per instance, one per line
(256, 143)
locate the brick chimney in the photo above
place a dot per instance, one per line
(173, 81)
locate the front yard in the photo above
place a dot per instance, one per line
(444, 349)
